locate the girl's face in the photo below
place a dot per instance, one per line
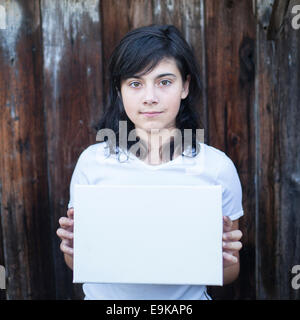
(152, 101)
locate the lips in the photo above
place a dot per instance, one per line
(151, 113)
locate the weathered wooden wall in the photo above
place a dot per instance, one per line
(53, 83)
(278, 156)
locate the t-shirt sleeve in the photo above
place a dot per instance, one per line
(78, 177)
(231, 189)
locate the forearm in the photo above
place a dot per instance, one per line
(231, 273)
(69, 261)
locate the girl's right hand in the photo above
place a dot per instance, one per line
(65, 232)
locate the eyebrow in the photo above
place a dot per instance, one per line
(157, 77)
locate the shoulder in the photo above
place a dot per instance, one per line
(213, 152)
(226, 171)
(227, 176)
(217, 159)
(97, 151)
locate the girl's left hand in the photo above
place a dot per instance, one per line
(231, 243)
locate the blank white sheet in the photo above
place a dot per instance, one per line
(157, 234)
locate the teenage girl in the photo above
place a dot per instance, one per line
(154, 86)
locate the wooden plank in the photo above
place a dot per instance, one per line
(230, 51)
(279, 191)
(289, 115)
(25, 215)
(72, 50)
(267, 165)
(2, 260)
(277, 18)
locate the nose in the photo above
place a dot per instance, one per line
(150, 96)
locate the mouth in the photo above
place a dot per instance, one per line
(151, 113)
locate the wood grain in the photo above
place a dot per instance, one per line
(53, 86)
(278, 176)
(25, 215)
(230, 51)
(72, 69)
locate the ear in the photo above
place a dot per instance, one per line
(185, 87)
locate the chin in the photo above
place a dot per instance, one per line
(154, 127)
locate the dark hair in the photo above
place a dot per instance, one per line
(140, 51)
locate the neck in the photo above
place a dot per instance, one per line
(156, 140)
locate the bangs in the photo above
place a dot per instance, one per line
(142, 57)
(140, 66)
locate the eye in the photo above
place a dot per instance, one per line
(165, 82)
(134, 84)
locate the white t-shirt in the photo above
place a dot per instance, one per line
(210, 167)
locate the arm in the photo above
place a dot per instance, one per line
(231, 248)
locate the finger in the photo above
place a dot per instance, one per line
(229, 257)
(234, 235)
(227, 224)
(65, 222)
(64, 234)
(65, 248)
(232, 246)
(70, 213)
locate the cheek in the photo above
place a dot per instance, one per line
(173, 101)
(129, 105)
(131, 113)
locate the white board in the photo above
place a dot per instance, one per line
(148, 234)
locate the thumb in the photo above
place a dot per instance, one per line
(227, 224)
(70, 213)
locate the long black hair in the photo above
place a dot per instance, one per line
(140, 51)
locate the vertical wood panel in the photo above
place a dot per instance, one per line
(279, 191)
(23, 169)
(268, 184)
(288, 100)
(73, 81)
(230, 49)
(2, 260)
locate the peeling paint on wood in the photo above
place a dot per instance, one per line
(14, 18)
(264, 12)
(72, 50)
(25, 232)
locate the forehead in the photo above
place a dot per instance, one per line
(166, 65)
